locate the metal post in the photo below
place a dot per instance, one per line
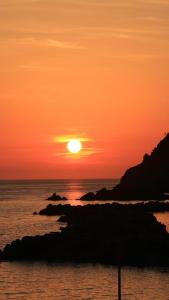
(119, 283)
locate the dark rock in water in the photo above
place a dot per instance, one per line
(118, 194)
(55, 197)
(62, 210)
(88, 196)
(55, 210)
(100, 233)
(147, 181)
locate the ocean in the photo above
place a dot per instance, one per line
(22, 281)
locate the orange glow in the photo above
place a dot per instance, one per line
(76, 67)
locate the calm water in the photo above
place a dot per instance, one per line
(18, 199)
(23, 281)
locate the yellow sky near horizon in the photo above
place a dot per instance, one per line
(97, 69)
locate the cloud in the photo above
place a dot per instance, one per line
(64, 139)
(66, 4)
(46, 38)
(160, 2)
(83, 153)
(42, 20)
(141, 57)
(22, 3)
(33, 67)
(51, 43)
(68, 138)
(95, 32)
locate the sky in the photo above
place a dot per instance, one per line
(94, 70)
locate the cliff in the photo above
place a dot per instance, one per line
(149, 180)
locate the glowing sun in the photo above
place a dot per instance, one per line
(74, 146)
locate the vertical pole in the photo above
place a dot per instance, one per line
(119, 283)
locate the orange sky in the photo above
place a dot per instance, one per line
(86, 68)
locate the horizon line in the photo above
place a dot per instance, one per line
(43, 179)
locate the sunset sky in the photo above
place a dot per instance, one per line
(93, 70)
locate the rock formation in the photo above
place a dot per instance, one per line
(55, 197)
(147, 181)
(100, 233)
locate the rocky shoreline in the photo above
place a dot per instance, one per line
(106, 233)
(151, 206)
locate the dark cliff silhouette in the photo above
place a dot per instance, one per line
(149, 180)
(98, 233)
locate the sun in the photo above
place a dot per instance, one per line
(74, 146)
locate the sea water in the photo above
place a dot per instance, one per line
(23, 281)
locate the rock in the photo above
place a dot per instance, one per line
(107, 233)
(55, 210)
(55, 197)
(149, 180)
(88, 196)
(64, 210)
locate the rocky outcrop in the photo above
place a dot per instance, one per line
(150, 206)
(55, 197)
(147, 181)
(101, 233)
